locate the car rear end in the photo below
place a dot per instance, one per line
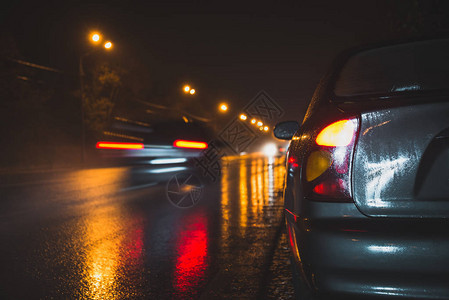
(163, 146)
(367, 195)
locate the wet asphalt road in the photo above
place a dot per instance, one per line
(112, 233)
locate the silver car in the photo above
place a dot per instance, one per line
(367, 185)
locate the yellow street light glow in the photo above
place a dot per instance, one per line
(260, 124)
(243, 117)
(108, 45)
(192, 91)
(265, 128)
(223, 107)
(260, 128)
(186, 88)
(95, 37)
(253, 121)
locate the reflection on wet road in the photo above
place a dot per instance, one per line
(111, 233)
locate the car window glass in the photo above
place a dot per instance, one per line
(419, 66)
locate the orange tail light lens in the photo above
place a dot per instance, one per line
(189, 144)
(338, 134)
(317, 163)
(116, 145)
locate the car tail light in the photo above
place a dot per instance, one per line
(292, 162)
(317, 163)
(328, 166)
(117, 145)
(339, 133)
(189, 144)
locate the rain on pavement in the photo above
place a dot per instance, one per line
(111, 233)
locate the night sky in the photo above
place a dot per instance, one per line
(228, 50)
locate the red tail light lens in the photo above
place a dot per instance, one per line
(292, 162)
(331, 188)
(189, 144)
(116, 145)
(328, 168)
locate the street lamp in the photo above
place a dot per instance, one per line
(265, 128)
(108, 45)
(95, 38)
(253, 121)
(243, 117)
(260, 124)
(223, 107)
(188, 90)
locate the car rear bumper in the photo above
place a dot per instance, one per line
(150, 152)
(151, 156)
(362, 256)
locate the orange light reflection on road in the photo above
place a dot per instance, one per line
(255, 179)
(243, 197)
(254, 207)
(102, 259)
(279, 175)
(106, 252)
(266, 181)
(260, 183)
(225, 210)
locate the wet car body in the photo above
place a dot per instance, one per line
(370, 216)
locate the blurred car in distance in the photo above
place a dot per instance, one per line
(159, 142)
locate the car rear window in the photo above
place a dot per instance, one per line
(418, 66)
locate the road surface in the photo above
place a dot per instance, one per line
(116, 233)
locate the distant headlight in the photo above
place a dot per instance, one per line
(270, 149)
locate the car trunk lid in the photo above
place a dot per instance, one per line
(401, 161)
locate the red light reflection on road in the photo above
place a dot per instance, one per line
(192, 261)
(131, 272)
(134, 247)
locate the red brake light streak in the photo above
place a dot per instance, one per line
(189, 144)
(117, 145)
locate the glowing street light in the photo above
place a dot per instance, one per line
(95, 37)
(243, 117)
(192, 91)
(108, 45)
(260, 124)
(265, 128)
(186, 89)
(223, 107)
(253, 121)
